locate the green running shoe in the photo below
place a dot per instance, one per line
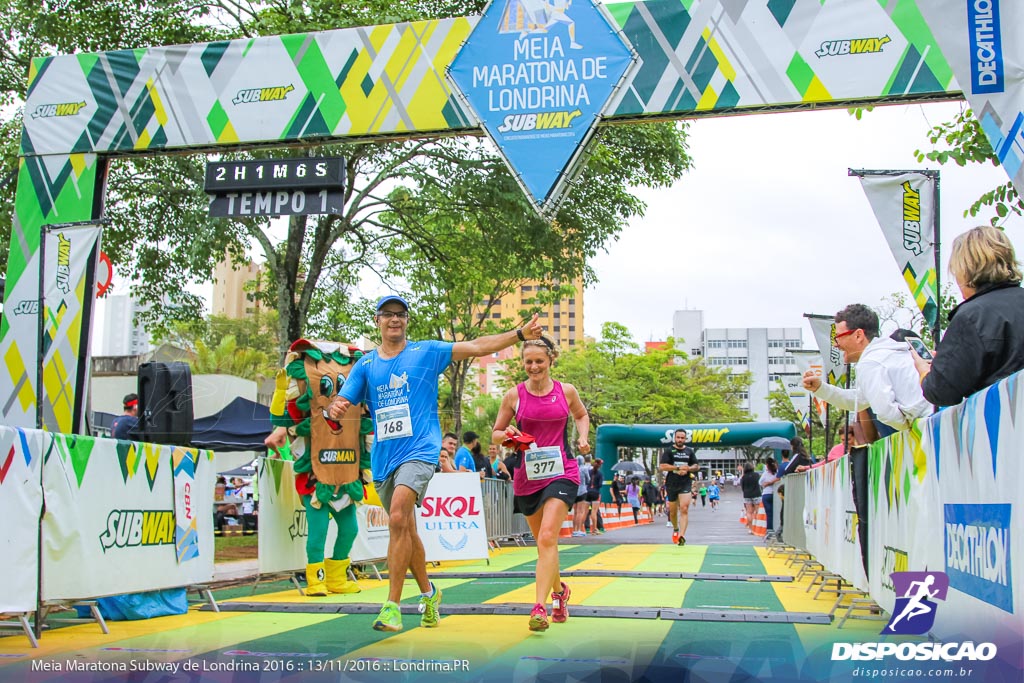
(428, 608)
(389, 619)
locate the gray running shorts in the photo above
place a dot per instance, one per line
(415, 474)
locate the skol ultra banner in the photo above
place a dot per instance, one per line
(451, 519)
(21, 501)
(811, 360)
(824, 329)
(981, 42)
(110, 506)
(904, 205)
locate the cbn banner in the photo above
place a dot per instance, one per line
(824, 329)
(811, 360)
(111, 505)
(451, 519)
(981, 41)
(904, 205)
(21, 500)
(830, 521)
(798, 397)
(68, 301)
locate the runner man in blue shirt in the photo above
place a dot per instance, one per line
(398, 382)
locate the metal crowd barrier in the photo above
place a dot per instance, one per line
(501, 523)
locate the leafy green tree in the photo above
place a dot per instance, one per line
(781, 408)
(963, 142)
(228, 358)
(160, 237)
(620, 383)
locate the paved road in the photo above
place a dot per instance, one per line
(707, 527)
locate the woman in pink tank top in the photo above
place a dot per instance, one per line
(547, 478)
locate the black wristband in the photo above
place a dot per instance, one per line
(519, 333)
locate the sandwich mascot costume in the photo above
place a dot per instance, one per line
(328, 475)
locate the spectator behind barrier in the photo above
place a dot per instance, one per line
(985, 339)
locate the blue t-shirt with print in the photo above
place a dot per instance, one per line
(401, 393)
(464, 458)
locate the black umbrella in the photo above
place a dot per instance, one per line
(777, 442)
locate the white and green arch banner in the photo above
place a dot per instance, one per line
(693, 58)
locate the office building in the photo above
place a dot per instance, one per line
(761, 351)
(562, 322)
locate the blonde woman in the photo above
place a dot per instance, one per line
(985, 339)
(546, 479)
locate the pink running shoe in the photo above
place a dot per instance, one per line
(539, 618)
(560, 605)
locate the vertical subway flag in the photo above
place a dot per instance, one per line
(68, 299)
(904, 205)
(824, 329)
(981, 41)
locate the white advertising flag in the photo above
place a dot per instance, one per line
(811, 360)
(904, 205)
(824, 329)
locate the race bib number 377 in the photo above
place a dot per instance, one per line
(544, 463)
(394, 423)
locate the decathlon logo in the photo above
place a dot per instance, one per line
(130, 528)
(914, 613)
(986, 46)
(47, 111)
(853, 46)
(977, 542)
(274, 94)
(912, 219)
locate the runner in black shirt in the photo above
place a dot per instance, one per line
(680, 464)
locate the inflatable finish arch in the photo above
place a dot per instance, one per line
(611, 436)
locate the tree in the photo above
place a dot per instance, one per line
(963, 142)
(899, 310)
(619, 383)
(244, 347)
(30, 30)
(780, 407)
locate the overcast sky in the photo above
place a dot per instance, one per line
(769, 226)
